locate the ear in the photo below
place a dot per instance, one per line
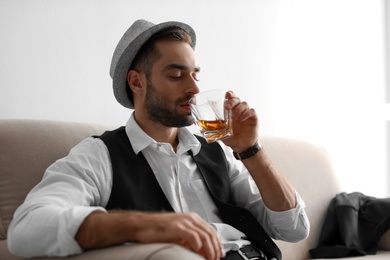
(135, 80)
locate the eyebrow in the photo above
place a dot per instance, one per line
(179, 67)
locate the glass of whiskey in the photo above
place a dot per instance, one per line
(213, 120)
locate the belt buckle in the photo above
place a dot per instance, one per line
(244, 256)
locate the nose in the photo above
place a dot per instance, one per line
(192, 87)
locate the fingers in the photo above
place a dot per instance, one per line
(240, 109)
(202, 238)
(185, 229)
(245, 123)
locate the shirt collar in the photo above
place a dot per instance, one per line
(140, 140)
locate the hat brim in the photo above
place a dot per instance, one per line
(126, 51)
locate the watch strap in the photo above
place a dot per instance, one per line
(251, 151)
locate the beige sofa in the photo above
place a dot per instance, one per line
(28, 147)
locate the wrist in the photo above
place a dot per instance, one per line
(248, 152)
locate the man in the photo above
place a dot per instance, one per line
(154, 182)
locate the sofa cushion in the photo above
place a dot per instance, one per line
(309, 169)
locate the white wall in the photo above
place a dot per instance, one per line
(387, 99)
(313, 69)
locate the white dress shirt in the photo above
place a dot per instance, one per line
(80, 183)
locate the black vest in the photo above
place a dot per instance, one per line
(135, 186)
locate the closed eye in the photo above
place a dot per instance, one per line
(175, 77)
(195, 75)
(175, 72)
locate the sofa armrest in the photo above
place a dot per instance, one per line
(154, 251)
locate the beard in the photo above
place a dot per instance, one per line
(163, 110)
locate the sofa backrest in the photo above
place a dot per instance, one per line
(309, 169)
(27, 148)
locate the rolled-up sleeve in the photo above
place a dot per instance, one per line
(291, 225)
(71, 188)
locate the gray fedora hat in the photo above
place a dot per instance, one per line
(126, 50)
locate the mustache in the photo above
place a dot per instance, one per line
(184, 99)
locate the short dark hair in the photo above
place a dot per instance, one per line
(147, 55)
